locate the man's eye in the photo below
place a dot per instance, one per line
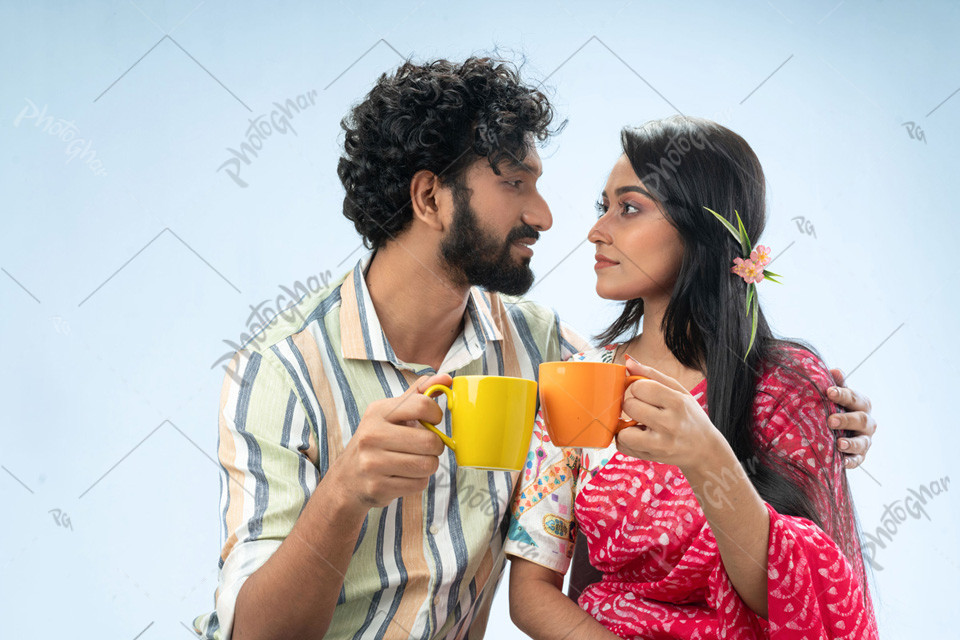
(514, 183)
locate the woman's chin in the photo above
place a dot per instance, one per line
(610, 293)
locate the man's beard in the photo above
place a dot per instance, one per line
(478, 257)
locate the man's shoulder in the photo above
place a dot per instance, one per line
(313, 306)
(544, 321)
(535, 315)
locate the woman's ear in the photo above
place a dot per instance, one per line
(427, 198)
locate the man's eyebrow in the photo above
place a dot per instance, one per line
(514, 165)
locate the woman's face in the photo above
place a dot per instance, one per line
(638, 251)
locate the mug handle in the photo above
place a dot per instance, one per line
(447, 391)
(623, 424)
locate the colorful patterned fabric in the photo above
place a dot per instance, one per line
(662, 572)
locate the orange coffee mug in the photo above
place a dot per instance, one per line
(582, 402)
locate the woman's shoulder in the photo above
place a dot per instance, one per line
(791, 409)
(790, 359)
(794, 371)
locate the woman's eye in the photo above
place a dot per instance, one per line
(627, 208)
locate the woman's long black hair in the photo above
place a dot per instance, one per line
(688, 164)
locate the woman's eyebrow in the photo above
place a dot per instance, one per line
(629, 189)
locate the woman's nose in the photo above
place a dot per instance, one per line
(598, 233)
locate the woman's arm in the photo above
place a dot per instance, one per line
(676, 430)
(738, 519)
(814, 582)
(540, 555)
(539, 608)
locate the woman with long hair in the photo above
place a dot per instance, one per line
(726, 511)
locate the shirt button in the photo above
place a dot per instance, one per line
(434, 529)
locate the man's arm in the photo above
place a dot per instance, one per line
(856, 427)
(282, 573)
(294, 594)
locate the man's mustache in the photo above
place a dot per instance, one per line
(521, 232)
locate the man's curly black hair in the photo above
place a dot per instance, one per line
(439, 116)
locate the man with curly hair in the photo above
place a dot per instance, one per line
(342, 517)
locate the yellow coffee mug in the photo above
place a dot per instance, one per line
(492, 420)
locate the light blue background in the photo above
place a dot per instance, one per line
(108, 390)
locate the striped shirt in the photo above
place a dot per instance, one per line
(293, 396)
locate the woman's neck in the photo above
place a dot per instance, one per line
(650, 347)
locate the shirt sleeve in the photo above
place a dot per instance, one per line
(268, 457)
(542, 525)
(571, 342)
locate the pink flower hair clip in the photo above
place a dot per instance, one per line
(750, 267)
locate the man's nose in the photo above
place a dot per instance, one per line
(538, 215)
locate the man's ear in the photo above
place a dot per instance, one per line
(427, 196)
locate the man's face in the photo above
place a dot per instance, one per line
(496, 220)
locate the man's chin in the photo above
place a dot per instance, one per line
(517, 286)
(513, 283)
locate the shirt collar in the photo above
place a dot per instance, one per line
(362, 336)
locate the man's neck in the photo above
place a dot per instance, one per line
(420, 309)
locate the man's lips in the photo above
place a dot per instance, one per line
(525, 245)
(603, 262)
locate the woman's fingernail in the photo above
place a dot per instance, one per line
(844, 444)
(834, 421)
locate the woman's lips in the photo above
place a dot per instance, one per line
(604, 262)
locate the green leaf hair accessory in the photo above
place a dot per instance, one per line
(750, 267)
